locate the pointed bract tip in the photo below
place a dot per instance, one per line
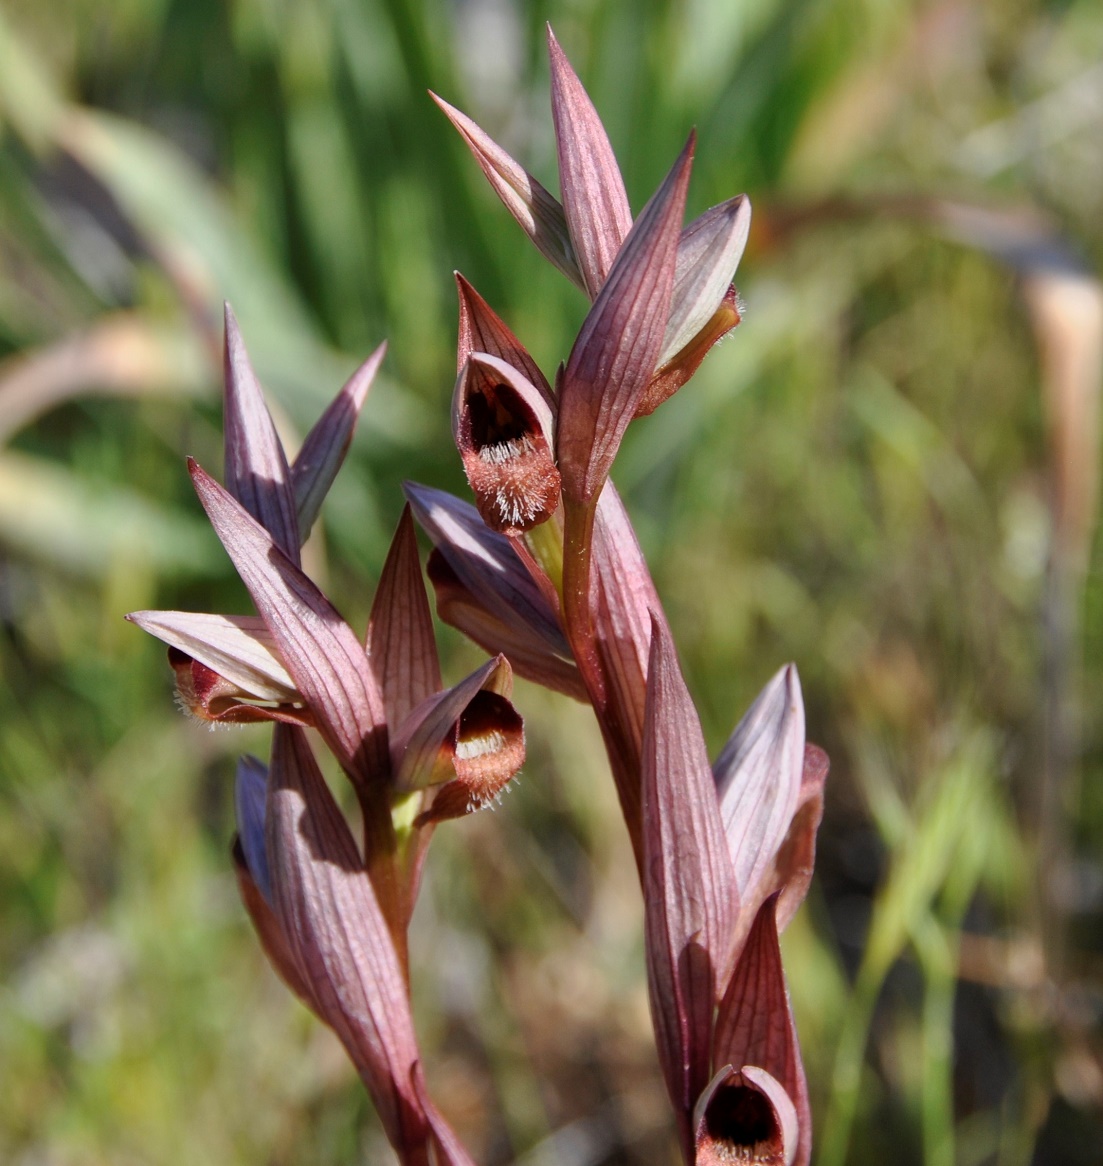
(361, 380)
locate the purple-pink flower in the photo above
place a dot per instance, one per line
(725, 851)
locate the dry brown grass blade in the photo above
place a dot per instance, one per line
(122, 355)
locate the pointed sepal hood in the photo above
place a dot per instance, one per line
(754, 1024)
(481, 329)
(494, 626)
(709, 250)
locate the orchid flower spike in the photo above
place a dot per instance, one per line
(332, 914)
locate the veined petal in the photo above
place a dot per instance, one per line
(237, 647)
(503, 428)
(322, 654)
(531, 656)
(485, 563)
(401, 646)
(339, 937)
(324, 449)
(539, 213)
(745, 1116)
(709, 251)
(594, 198)
(758, 776)
(617, 350)
(257, 474)
(483, 330)
(689, 891)
(754, 1025)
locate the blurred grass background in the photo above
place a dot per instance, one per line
(888, 475)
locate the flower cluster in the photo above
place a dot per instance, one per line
(546, 574)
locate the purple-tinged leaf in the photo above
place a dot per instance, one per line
(690, 898)
(487, 566)
(483, 330)
(257, 474)
(674, 374)
(594, 199)
(539, 213)
(745, 1116)
(325, 659)
(503, 429)
(617, 350)
(250, 794)
(758, 776)
(324, 449)
(709, 251)
(337, 932)
(238, 647)
(797, 855)
(530, 655)
(754, 1025)
(269, 932)
(401, 647)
